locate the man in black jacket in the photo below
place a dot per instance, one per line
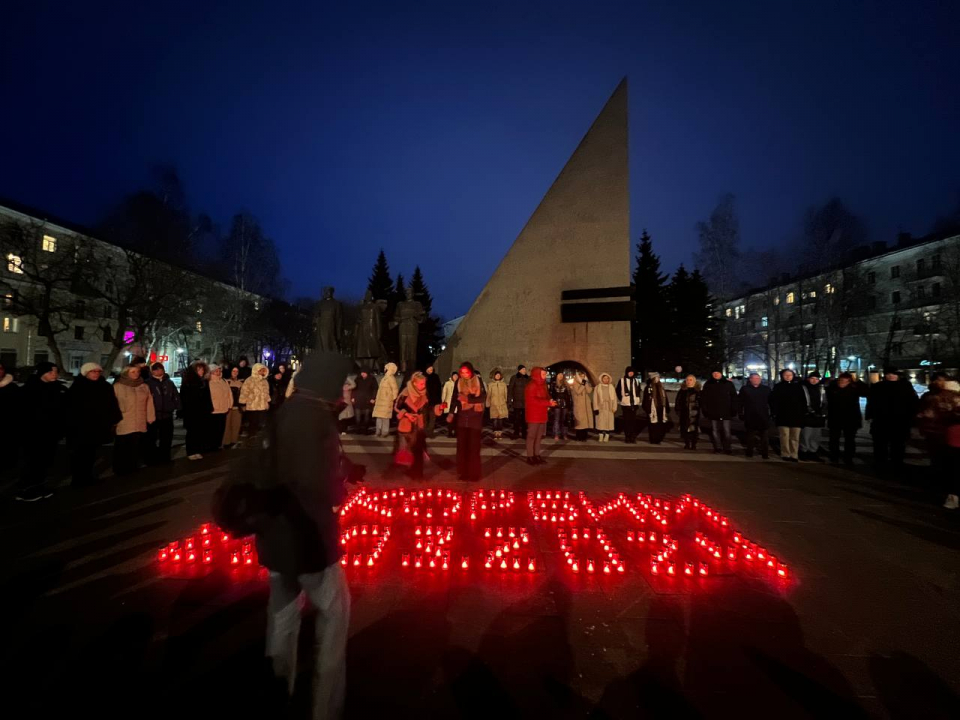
(166, 402)
(891, 408)
(298, 535)
(718, 403)
(434, 395)
(816, 418)
(517, 402)
(843, 415)
(754, 401)
(788, 403)
(363, 399)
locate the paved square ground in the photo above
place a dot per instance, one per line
(868, 625)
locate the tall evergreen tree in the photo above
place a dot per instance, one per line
(431, 335)
(695, 340)
(650, 328)
(380, 283)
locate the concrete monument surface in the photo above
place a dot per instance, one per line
(561, 293)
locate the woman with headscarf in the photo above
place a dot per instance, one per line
(497, 402)
(687, 406)
(231, 432)
(93, 414)
(196, 409)
(136, 405)
(412, 407)
(386, 397)
(222, 400)
(655, 408)
(469, 398)
(255, 397)
(580, 392)
(560, 392)
(605, 406)
(537, 404)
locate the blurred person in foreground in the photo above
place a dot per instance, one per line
(287, 488)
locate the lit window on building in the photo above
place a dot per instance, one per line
(791, 298)
(11, 324)
(776, 300)
(829, 289)
(764, 322)
(256, 304)
(8, 299)
(49, 243)
(14, 264)
(729, 312)
(199, 326)
(813, 293)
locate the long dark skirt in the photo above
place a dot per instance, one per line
(468, 453)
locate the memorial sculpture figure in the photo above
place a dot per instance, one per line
(408, 316)
(368, 348)
(329, 322)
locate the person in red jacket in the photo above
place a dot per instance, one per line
(538, 401)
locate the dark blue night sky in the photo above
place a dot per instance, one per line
(434, 129)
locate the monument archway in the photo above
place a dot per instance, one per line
(571, 367)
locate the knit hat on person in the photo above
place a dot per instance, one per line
(651, 375)
(89, 367)
(521, 367)
(44, 367)
(891, 370)
(814, 374)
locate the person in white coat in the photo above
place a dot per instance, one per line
(605, 404)
(386, 396)
(446, 399)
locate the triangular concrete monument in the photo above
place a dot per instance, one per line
(562, 291)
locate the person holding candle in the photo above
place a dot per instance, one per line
(788, 404)
(629, 391)
(469, 398)
(537, 403)
(412, 408)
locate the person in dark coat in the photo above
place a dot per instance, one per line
(718, 403)
(43, 411)
(364, 397)
(166, 403)
(196, 409)
(843, 415)
(754, 400)
(279, 381)
(469, 400)
(816, 418)
(298, 534)
(244, 366)
(656, 409)
(687, 406)
(434, 398)
(630, 394)
(93, 414)
(891, 408)
(517, 401)
(560, 392)
(10, 394)
(788, 403)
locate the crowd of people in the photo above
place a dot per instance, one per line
(567, 404)
(136, 413)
